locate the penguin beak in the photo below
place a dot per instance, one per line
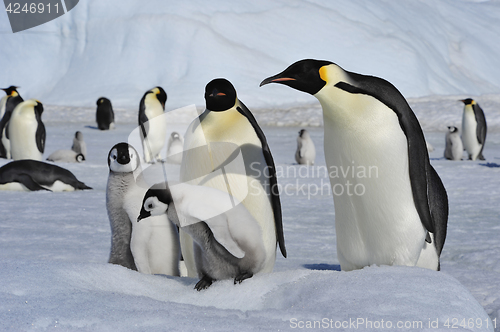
(143, 215)
(276, 79)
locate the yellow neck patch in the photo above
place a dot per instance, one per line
(323, 73)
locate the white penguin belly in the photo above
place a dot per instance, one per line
(60, 186)
(13, 186)
(22, 131)
(157, 133)
(376, 221)
(247, 189)
(469, 137)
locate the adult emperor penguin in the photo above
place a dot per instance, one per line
(306, 152)
(153, 126)
(151, 247)
(227, 240)
(12, 100)
(398, 215)
(175, 148)
(222, 133)
(454, 149)
(26, 131)
(79, 145)
(104, 115)
(66, 156)
(33, 175)
(473, 129)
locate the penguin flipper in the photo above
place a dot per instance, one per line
(481, 124)
(143, 120)
(275, 195)
(29, 183)
(438, 204)
(40, 136)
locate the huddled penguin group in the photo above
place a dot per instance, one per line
(224, 218)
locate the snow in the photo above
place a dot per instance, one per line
(54, 246)
(122, 48)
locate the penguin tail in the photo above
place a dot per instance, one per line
(83, 186)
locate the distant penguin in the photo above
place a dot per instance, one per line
(306, 152)
(12, 100)
(175, 148)
(104, 116)
(3, 102)
(153, 126)
(228, 129)
(66, 156)
(151, 247)
(473, 129)
(26, 131)
(454, 149)
(228, 241)
(79, 145)
(399, 215)
(33, 175)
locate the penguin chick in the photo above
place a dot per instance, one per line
(174, 148)
(454, 148)
(227, 240)
(306, 153)
(79, 145)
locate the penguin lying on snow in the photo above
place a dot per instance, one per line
(66, 156)
(399, 216)
(454, 149)
(473, 129)
(306, 152)
(32, 175)
(227, 239)
(150, 247)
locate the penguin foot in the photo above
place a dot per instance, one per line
(204, 283)
(239, 278)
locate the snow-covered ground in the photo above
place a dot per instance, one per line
(54, 248)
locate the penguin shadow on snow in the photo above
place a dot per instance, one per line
(490, 165)
(322, 267)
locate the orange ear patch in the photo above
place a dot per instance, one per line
(323, 73)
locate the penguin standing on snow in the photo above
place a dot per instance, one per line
(33, 175)
(306, 152)
(398, 215)
(79, 145)
(222, 133)
(11, 101)
(473, 129)
(150, 247)
(153, 126)
(104, 116)
(175, 148)
(26, 131)
(454, 149)
(227, 239)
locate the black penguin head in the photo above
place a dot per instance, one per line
(303, 75)
(467, 101)
(123, 158)
(220, 95)
(38, 108)
(452, 129)
(103, 101)
(161, 95)
(175, 135)
(156, 201)
(301, 132)
(10, 90)
(79, 135)
(80, 158)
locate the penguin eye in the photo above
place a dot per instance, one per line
(150, 205)
(114, 157)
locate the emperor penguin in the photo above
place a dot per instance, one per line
(306, 152)
(104, 116)
(3, 102)
(12, 99)
(79, 145)
(396, 213)
(454, 149)
(153, 126)
(33, 175)
(151, 247)
(473, 129)
(228, 241)
(175, 148)
(26, 131)
(66, 156)
(224, 132)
